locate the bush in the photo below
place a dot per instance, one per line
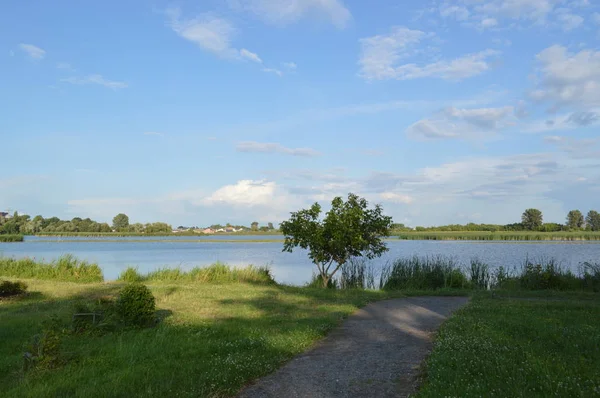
(131, 275)
(136, 305)
(44, 350)
(8, 288)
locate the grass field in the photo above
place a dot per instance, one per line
(213, 340)
(525, 344)
(506, 235)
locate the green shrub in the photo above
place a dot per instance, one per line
(136, 305)
(215, 273)
(131, 275)
(8, 288)
(44, 349)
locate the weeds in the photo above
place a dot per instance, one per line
(422, 273)
(216, 273)
(11, 238)
(66, 268)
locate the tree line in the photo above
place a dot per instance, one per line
(531, 220)
(25, 225)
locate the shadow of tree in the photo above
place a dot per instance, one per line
(212, 341)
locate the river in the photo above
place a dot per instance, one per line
(148, 253)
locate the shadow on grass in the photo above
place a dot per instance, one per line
(212, 339)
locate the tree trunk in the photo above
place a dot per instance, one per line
(325, 281)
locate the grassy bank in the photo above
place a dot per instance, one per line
(171, 234)
(65, 268)
(518, 345)
(213, 339)
(11, 238)
(514, 236)
(216, 273)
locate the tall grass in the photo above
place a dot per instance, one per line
(216, 273)
(65, 268)
(548, 274)
(423, 273)
(501, 235)
(480, 274)
(11, 238)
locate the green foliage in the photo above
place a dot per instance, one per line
(348, 230)
(131, 274)
(507, 235)
(215, 273)
(65, 268)
(120, 222)
(44, 349)
(254, 226)
(575, 219)
(546, 346)
(136, 305)
(423, 273)
(593, 220)
(532, 219)
(480, 274)
(8, 288)
(11, 238)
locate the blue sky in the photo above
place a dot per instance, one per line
(199, 112)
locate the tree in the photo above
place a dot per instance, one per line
(120, 222)
(348, 230)
(532, 219)
(270, 226)
(593, 220)
(575, 219)
(254, 226)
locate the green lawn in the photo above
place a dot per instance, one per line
(531, 344)
(213, 340)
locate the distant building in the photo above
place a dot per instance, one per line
(4, 214)
(208, 231)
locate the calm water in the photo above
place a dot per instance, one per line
(149, 253)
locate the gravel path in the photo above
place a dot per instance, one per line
(375, 353)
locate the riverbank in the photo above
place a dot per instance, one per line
(172, 234)
(501, 236)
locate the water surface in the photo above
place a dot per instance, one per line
(149, 253)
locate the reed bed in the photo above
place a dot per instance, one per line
(11, 238)
(503, 235)
(66, 268)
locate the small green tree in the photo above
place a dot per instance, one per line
(575, 219)
(348, 230)
(593, 220)
(270, 226)
(254, 226)
(120, 222)
(532, 219)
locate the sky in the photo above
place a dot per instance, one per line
(215, 111)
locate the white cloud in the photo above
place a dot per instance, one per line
(512, 13)
(596, 18)
(271, 147)
(210, 33)
(250, 56)
(290, 65)
(567, 20)
(273, 70)
(568, 79)
(207, 31)
(576, 148)
(489, 23)
(289, 11)
(244, 193)
(64, 66)
(460, 13)
(463, 123)
(380, 56)
(96, 79)
(397, 197)
(33, 51)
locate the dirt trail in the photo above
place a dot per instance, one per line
(376, 352)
